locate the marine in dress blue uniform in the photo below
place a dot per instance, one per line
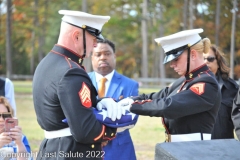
(62, 89)
(189, 106)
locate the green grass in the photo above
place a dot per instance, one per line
(28, 122)
(148, 90)
(23, 87)
(147, 132)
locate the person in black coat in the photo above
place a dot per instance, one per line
(215, 60)
(63, 90)
(189, 106)
(236, 114)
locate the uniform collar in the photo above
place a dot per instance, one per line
(194, 73)
(68, 53)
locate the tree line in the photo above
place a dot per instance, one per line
(30, 28)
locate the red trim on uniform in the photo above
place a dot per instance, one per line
(142, 102)
(85, 96)
(66, 58)
(199, 75)
(108, 138)
(77, 64)
(68, 62)
(198, 68)
(207, 72)
(101, 134)
(164, 125)
(69, 50)
(182, 86)
(190, 80)
(57, 53)
(198, 88)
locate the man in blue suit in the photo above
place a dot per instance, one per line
(118, 87)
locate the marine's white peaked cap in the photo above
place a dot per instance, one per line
(179, 39)
(82, 19)
(172, 44)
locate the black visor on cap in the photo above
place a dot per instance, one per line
(173, 54)
(93, 31)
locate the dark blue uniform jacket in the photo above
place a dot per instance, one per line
(62, 89)
(189, 105)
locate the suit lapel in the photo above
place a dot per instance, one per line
(115, 82)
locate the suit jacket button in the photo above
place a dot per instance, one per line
(92, 146)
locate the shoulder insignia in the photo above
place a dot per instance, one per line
(85, 96)
(198, 88)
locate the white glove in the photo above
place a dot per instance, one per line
(113, 109)
(125, 104)
(121, 129)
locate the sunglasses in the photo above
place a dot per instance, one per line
(5, 115)
(210, 59)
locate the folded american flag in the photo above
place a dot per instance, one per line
(126, 120)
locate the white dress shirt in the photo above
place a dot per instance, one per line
(107, 83)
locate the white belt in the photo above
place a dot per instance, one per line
(190, 137)
(58, 133)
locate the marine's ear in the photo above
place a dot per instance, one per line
(193, 54)
(76, 35)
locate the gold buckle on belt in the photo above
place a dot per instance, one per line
(167, 137)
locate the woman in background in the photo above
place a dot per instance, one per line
(13, 141)
(215, 60)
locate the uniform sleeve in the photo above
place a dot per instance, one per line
(154, 95)
(9, 94)
(76, 100)
(236, 114)
(184, 103)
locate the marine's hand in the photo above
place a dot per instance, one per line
(125, 104)
(113, 109)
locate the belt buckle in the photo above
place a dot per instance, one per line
(168, 137)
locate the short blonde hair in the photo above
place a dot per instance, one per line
(202, 46)
(4, 101)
